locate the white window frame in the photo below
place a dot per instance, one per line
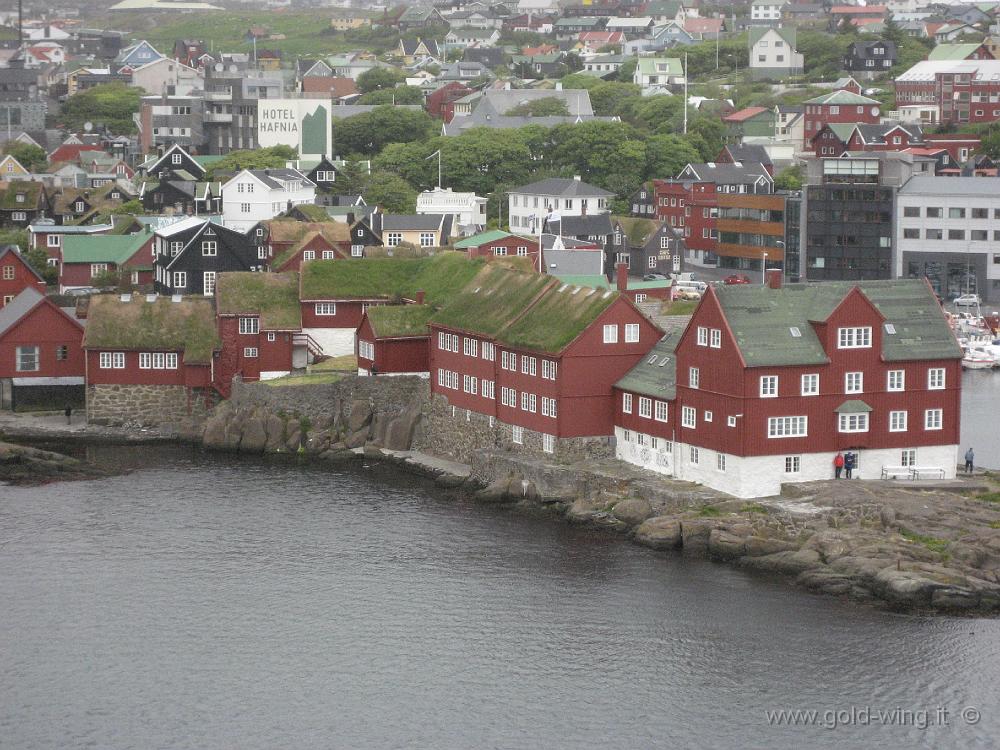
(325, 309)
(810, 384)
(209, 248)
(32, 351)
(627, 403)
(689, 417)
(517, 435)
(208, 283)
(854, 422)
(250, 352)
(702, 336)
(896, 380)
(249, 326)
(645, 407)
(631, 333)
(854, 382)
(610, 333)
(715, 338)
(934, 419)
(854, 337)
(935, 378)
(694, 377)
(661, 411)
(898, 420)
(793, 464)
(787, 427)
(179, 280)
(548, 443)
(768, 386)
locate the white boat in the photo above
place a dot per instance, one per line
(977, 358)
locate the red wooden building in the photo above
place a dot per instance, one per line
(260, 326)
(290, 242)
(693, 208)
(838, 107)
(497, 243)
(16, 275)
(394, 340)
(312, 246)
(87, 258)
(766, 385)
(537, 355)
(41, 359)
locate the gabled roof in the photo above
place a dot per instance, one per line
(953, 51)
(399, 321)
(587, 225)
(562, 188)
(484, 238)
(745, 114)
(272, 296)
(561, 313)
(728, 174)
(187, 325)
(655, 374)
(33, 194)
(151, 164)
(410, 222)
(842, 97)
(12, 251)
(28, 299)
(438, 276)
(106, 248)
(671, 66)
(762, 320)
(784, 32)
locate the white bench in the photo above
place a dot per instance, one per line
(918, 472)
(895, 472)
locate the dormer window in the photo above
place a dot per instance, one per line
(175, 159)
(859, 337)
(79, 206)
(20, 198)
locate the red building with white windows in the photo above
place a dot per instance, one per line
(41, 361)
(962, 90)
(838, 107)
(16, 275)
(692, 207)
(767, 384)
(394, 340)
(497, 243)
(536, 355)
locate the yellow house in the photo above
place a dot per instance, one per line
(343, 23)
(420, 230)
(11, 168)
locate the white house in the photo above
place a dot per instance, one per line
(529, 205)
(256, 195)
(167, 76)
(468, 210)
(772, 53)
(657, 73)
(766, 10)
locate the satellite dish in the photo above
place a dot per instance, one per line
(88, 126)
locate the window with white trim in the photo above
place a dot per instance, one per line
(897, 421)
(470, 384)
(517, 435)
(548, 407)
(854, 337)
(660, 411)
(209, 247)
(357, 251)
(769, 386)
(508, 397)
(366, 350)
(489, 351)
(810, 384)
(715, 338)
(325, 308)
(694, 377)
(935, 378)
(112, 360)
(702, 336)
(308, 255)
(250, 352)
(272, 336)
(908, 457)
(180, 279)
(53, 240)
(854, 382)
(793, 464)
(528, 365)
(627, 403)
(328, 255)
(610, 334)
(852, 422)
(694, 455)
(720, 461)
(426, 239)
(896, 380)
(548, 369)
(392, 239)
(469, 346)
(933, 419)
(175, 248)
(8, 272)
(529, 402)
(689, 416)
(707, 416)
(27, 359)
(783, 427)
(548, 443)
(208, 283)
(96, 269)
(488, 388)
(249, 325)
(645, 407)
(631, 333)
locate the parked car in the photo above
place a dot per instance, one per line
(654, 277)
(736, 278)
(967, 300)
(692, 294)
(82, 291)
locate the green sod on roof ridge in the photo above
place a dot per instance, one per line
(492, 299)
(163, 325)
(399, 320)
(272, 296)
(562, 314)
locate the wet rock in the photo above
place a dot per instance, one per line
(361, 414)
(495, 492)
(632, 511)
(586, 508)
(758, 546)
(214, 436)
(662, 532)
(449, 481)
(725, 545)
(274, 427)
(826, 581)
(317, 442)
(294, 441)
(790, 563)
(372, 451)
(695, 533)
(254, 435)
(907, 587)
(401, 429)
(951, 597)
(357, 439)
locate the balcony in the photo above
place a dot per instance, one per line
(218, 117)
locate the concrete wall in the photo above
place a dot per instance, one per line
(335, 342)
(146, 404)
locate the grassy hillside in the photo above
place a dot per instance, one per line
(307, 33)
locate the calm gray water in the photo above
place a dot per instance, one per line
(207, 602)
(981, 416)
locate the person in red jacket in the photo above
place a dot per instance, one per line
(838, 464)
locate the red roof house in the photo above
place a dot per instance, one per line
(16, 275)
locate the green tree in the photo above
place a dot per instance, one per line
(604, 153)
(398, 95)
(610, 99)
(38, 259)
(712, 131)
(110, 104)
(273, 157)
(658, 114)
(133, 207)
(370, 132)
(627, 71)
(380, 78)
(549, 105)
(990, 142)
(666, 155)
(18, 237)
(394, 194)
(31, 157)
(789, 178)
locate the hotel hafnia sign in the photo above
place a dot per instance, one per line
(303, 124)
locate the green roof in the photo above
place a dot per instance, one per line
(853, 406)
(773, 327)
(561, 314)
(484, 237)
(595, 281)
(953, 51)
(636, 229)
(312, 212)
(841, 97)
(162, 325)
(102, 248)
(438, 277)
(394, 321)
(655, 374)
(843, 130)
(785, 32)
(648, 66)
(207, 160)
(272, 296)
(31, 190)
(493, 298)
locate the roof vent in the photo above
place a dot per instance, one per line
(664, 361)
(126, 298)
(151, 298)
(651, 360)
(606, 294)
(796, 333)
(576, 289)
(563, 287)
(175, 298)
(890, 328)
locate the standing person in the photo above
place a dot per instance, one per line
(970, 456)
(68, 411)
(838, 465)
(849, 461)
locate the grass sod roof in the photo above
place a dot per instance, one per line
(162, 325)
(312, 212)
(560, 315)
(397, 321)
(102, 248)
(636, 229)
(290, 252)
(290, 230)
(761, 320)
(8, 195)
(272, 296)
(439, 276)
(492, 299)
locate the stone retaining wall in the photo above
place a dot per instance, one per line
(146, 404)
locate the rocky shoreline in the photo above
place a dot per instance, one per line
(908, 546)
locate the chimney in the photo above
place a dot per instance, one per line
(774, 277)
(621, 276)
(419, 298)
